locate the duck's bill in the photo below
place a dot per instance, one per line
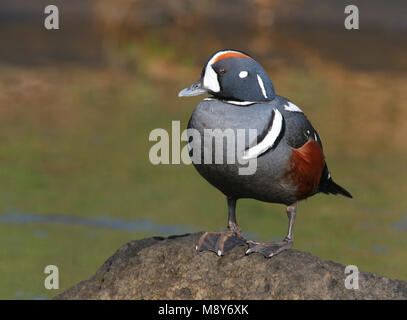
(194, 90)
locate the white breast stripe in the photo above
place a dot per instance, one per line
(261, 84)
(292, 107)
(268, 140)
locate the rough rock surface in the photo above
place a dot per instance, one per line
(170, 268)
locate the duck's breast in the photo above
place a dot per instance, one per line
(217, 122)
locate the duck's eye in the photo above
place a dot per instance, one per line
(222, 71)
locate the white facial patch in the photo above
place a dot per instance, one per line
(269, 139)
(261, 84)
(243, 74)
(292, 107)
(210, 80)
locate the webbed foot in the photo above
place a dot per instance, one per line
(269, 249)
(220, 242)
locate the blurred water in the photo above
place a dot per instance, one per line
(104, 222)
(142, 225)
(400, 225)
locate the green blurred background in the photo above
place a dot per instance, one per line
(77, 106)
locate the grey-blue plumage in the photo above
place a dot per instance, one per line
(270, 182)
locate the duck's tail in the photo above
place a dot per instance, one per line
(327, 185)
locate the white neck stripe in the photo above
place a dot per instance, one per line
(261, 84)
(240, 103)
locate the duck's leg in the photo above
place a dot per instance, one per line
(272, 248)
(223, 241)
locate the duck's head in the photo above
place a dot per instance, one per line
(232, 75)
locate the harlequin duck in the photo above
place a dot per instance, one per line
(290, 164)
